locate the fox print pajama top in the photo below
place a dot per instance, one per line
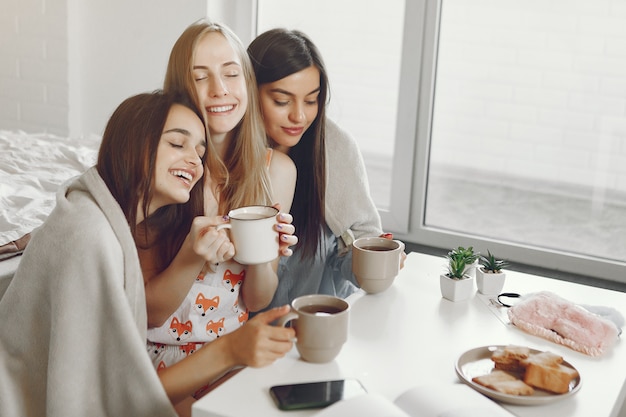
(212, 308)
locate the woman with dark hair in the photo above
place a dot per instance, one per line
(74, 321)
(332, 205)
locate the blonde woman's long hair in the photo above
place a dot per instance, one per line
(242, 178)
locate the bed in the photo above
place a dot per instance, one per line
(32, 166)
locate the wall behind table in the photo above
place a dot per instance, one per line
(66, 64)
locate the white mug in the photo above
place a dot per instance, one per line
(253, 234)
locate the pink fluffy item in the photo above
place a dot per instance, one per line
(549, 316)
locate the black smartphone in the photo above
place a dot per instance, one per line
(315, 394)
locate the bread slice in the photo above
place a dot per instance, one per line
(508, 358)
(504, 382)
(519, 372)
(554, 378)
(543, 358)
(514, 351)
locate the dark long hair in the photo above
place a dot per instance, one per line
(126, 163)
(276, 54)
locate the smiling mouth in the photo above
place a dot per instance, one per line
(184, 175)
(220, 109)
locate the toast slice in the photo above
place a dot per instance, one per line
(508, 358)
(543, 358)
(504, 382)
(554, 378)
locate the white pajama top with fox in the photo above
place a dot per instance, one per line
(212, 308)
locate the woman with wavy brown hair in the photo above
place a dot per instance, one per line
(74, 316)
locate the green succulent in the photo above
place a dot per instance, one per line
(456, 268)
(491, 264)
(457, 265)
(466, 253)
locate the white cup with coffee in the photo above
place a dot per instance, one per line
(321, 324)
(253, 234)
(376, 262)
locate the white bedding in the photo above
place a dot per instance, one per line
(32, 166)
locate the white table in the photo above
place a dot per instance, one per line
(409, 335)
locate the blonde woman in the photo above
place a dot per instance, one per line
(203, 295)
(210, 63)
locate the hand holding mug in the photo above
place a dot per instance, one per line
(257, 343)
(252, 230)
(402, 255)
(286, 232)
(321, 324)
(208, 241)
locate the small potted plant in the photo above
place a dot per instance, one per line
(490, 276)
(457, 284)
(471, 259)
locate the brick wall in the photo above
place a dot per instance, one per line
(66, 64)
(360, 42)
(33, 66)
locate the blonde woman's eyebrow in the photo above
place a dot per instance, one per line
(225, 64)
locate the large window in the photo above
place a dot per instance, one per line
(527, 141)
(500, 125)
(361, 43)
(528, 128)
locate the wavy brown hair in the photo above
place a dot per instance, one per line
(276, 54)
(126, 162)
(242, 177)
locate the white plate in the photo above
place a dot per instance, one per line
(477, 362)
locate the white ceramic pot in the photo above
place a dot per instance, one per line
(456, 289)
(489, 283)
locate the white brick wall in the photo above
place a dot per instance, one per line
(43, 41)
(360, 42)
(33, 66)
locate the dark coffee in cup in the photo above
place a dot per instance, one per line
(376, 262)
(320, 309)
(321, 325)
(377, 248)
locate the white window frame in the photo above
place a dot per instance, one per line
(397, 218)
(429, 12)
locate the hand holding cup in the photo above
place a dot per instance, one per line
(321, 325)
(253, 234)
